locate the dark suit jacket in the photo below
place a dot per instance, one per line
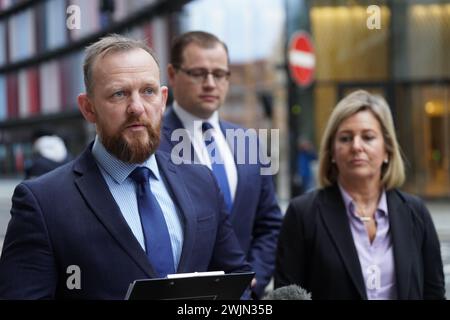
(255, 216)
(69, 217)
(316, 249)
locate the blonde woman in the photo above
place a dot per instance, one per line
(358, 236)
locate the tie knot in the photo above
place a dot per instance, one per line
(140, 175)
(206, 126)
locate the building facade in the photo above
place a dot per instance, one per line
(41, 55)
(398, 49)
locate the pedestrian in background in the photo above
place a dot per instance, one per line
(359, 237)
(49, 152)
(306, 157)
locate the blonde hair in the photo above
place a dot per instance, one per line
(110, 44)
(393, 172)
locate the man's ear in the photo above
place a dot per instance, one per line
(87, 108)
(164, 94)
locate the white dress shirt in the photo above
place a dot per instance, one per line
(193, 126)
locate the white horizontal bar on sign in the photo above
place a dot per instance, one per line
(302, 59)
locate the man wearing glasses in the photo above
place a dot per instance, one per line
(199, 77)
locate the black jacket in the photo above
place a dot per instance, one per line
(316, 249)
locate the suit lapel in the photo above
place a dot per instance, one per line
(184, 203)
(334, 216)
(171, 122)
(96, 193)
(239, 196)
(401, 233)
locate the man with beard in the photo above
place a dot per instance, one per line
(120, 211)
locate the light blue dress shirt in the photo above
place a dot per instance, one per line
(123, 189)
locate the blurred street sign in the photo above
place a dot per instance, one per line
(301, 59)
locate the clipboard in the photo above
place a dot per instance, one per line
(196, 286)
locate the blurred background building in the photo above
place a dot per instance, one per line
(406, 60)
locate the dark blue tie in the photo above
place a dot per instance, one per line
(156, 235)
(217, 164)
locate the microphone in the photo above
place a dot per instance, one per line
(291, 292)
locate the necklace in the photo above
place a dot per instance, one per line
(363, 216)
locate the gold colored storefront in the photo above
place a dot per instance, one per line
(407, 60)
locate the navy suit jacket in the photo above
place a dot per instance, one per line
(316, 249)
(256, 217)
(69, 217)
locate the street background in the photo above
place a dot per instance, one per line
(440, 211)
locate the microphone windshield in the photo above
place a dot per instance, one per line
(291, 292)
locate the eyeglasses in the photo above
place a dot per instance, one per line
(199, 75)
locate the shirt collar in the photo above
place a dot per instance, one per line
(348, 201)
(118, 169)
(191, 122)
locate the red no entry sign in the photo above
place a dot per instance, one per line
(301, 58)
